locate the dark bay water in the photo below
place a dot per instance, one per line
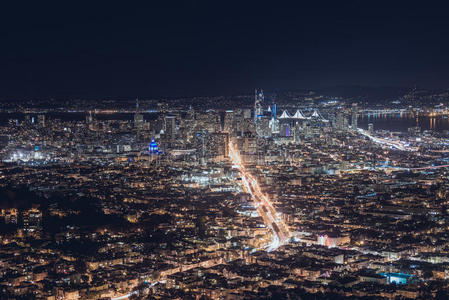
(74, 116)
(395, 122)
(401, 122)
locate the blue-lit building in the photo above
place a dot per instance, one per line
(152, 148)
(274, 112)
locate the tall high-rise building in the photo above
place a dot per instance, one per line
(286, 130)
(189, 125)
(354, 116)
(263, 127)
(247, 113)
(41, 120)
(307, 129)
(228, 124)
(297, 133)
(138, 117)
(274, 126)
(258, 102)
(341, 121)
(249, 127)
(274, 111)
(202, 142)
(91, 122)
(89, 118)
(220, 144)
(274, 123)
(170, 127)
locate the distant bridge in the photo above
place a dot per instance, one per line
(391, 143)
(384, 111)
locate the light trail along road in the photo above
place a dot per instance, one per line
(265, 208)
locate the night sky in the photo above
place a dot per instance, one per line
(175, 48)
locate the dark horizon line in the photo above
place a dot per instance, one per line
(326, 89)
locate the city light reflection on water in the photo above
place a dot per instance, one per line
(401, 122)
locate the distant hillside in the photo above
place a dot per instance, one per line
(370, 94)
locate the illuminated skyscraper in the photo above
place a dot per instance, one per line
(247, 113)
(263, 127)
(274, 111)
(91, 122)
(274, 123)
(170, 127)
(297, 133)
(138, 117)
(41, 120)
(274, 126)
(341, 122)
(258, 102)
(228, 124)
(219, 144)
(89, 118)
(202, 143)
(354, 116)
(189, 125)
(286, 130)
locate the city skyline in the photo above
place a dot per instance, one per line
(224, 150)
(256, 196)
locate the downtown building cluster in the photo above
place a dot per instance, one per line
(156, 205)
